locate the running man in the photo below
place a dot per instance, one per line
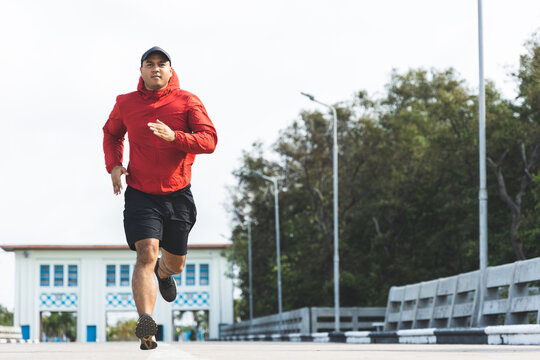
(166, 127)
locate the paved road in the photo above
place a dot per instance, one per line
(265, 351)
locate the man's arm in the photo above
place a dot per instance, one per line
(202, 139)
(113, 147)
(116, 175)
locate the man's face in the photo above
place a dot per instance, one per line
(156, 71)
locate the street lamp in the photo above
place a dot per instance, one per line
(482, 196)
(276, 206)
(482, 193)
(336, 239)
(250, 272)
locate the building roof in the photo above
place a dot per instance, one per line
(98, 247)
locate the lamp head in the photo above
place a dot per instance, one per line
(311, 97)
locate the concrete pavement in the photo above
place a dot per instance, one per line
(265, 351)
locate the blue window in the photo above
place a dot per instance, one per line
(124, 275)
(72, 275)
(111, 275)
(203, 274)
(44, 275)
(190, 274)
(178, 278)
(58, 275)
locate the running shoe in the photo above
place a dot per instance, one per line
(167, 286)
(145, 330)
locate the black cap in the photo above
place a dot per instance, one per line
(153, 50)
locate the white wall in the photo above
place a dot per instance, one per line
(91, 292)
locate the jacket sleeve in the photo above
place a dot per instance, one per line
(113, 139)
(203, 136)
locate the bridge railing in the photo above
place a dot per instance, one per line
(308, 321)
(10, 334)
(504, 295)
(351, 318)
(296, 321)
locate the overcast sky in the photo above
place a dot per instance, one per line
(64, 63)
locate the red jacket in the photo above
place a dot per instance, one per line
(157, 166)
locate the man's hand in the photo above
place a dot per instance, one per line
(116, 174)
(162, 130)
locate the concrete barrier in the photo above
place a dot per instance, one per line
(513, 335)
(461, 336)
(492, 335)
(308, 321)
(417, 336)
(506, 294)
(12, 334)
(320, 337)
(358, 337)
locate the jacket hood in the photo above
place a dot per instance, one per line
(173, 84)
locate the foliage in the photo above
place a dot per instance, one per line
(200, 319)
(60, 324)
(124, 330)
(526, 147)
(408, 191)
(6, 316)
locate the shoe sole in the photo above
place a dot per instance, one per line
(146, 328)
(147, 343)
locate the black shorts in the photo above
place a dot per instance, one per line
(168, 218)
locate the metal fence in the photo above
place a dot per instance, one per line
(308, 321)
(503, 295)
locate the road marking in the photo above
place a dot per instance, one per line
(168, 351)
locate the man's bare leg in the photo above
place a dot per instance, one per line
(170, 264)
(143, 283)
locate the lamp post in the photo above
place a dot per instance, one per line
(482, 193)
(336, 226)
(250, 272)
(276, 207)
(482, 196)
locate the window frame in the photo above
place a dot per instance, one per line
(124, 275)
(190, 279)
(178, 279)
(204, 276)
(44, 281)
(110, 280)
(73, 281)
(59, 275)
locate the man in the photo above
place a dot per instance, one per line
(166, 126)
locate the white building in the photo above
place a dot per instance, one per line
(94, 280)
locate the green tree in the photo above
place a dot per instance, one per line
(6, 316)
(518, 143)
(408, 200)
(59, 324)
(124, 330)
(199, 325)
